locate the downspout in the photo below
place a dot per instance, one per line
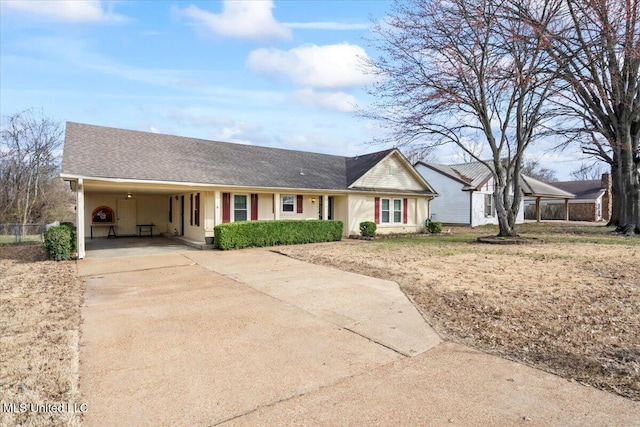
(80, 218)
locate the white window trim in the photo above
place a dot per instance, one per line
(391, 211)
(233, 206)
(492, 207)
(295, 204)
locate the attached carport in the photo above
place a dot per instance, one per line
(133, 203)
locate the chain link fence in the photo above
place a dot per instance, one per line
(21, 233)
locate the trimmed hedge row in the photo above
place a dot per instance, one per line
(236, 235)
(60, 242)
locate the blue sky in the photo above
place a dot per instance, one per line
(282, 74)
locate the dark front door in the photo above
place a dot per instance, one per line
(330, 214)
(182, 215)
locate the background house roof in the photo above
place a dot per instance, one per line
(103, 152)
(474, 175)
(584, 190)
(534, 188)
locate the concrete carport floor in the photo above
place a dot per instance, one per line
(255, 338)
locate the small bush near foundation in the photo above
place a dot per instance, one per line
(238, 235)
(434, 227)
(58, 243)
(368, 229)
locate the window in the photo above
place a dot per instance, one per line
(391, 211)
(170, 209)
(196, 211)
(288, 204)
(488, 205)
(240, 207)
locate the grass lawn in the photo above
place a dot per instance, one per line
(570, 305)
(39, 332)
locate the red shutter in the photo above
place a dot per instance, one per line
(299, 203)
(376, 210)
(405, 211)
(191, 209)
(254, 207)
(226, 207)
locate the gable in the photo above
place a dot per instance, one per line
(390, 173)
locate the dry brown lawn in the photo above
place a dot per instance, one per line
(39, 324)
(570, 306)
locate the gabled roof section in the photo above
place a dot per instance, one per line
(584, 190)
(534, 188)
(109, 153)
(359, 165)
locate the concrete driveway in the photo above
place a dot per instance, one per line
(255, 338)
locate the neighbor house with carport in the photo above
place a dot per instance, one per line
(467, 193)
(127, 180)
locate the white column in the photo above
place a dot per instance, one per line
(80, 217)
(276, 206)
(217, 215)
(325, 206)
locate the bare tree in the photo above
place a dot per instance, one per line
(28, 167)
(596, 46)
(589, 171)
(534, 169)
(463, 71)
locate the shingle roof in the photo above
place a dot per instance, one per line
(103, 152)
(584, 190)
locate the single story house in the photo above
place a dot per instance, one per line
(126, 180)
(592, 201)
(467, 193)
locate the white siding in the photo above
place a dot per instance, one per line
(389, 173)
(453, 204)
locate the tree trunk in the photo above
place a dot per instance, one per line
(615, 193)
(628, 186)
(505, 201)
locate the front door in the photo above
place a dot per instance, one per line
(127, 217)
(330, 207)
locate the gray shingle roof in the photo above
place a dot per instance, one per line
(103, 152)
(584, 190)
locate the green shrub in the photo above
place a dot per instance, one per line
(73, 231)
(368, 229)
(58, 243)
(434, 227)
(245, 234)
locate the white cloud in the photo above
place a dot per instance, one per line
(241, 19)
(67, 10)
(339, 101)
(325, 25)
(329, 66)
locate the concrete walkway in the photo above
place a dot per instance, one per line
(255, 338)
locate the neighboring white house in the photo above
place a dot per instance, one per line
(466, 193)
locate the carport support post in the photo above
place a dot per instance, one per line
(80, 217)
(538, 209)
(566, 209)
(325, 206)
